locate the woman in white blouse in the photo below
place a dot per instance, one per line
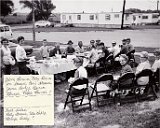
(5, 56)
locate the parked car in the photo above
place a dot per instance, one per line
(42, 23)
(12, 46)
(6, 32)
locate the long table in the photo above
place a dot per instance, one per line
(53, 66)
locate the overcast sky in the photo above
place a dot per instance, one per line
(94, 5)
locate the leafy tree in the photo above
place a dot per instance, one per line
(42, 8)
(6, 7)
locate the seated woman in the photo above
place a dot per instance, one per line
(156, 63)
(144, 64)
(70, 50)
(81, 72)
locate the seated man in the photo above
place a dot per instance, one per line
(92, 45)
(124, 49)
(79, 48)
(105, 51)
(114, 49)
(70, 50)
(56, 50)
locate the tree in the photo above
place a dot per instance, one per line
(42, 8)
(6, 7)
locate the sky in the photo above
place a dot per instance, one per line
(94, 5)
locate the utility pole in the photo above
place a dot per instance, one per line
(124, 3)
(157, 5)
(33, 21)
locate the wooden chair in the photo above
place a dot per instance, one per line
(76, 96)
(143, 90)
(101, 88)
(126, 85)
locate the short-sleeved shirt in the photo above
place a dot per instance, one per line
(82, 72)
(20, 53)
(124, 49)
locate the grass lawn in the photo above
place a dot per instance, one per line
(144, 114)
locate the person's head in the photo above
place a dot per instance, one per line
(123, 59)
(20, 40)
(124, 42)
(144, 56)
(5, 42)
(70, 43)
(98, 41)
(92, 42)
(57, 45)
(157, 53)
(44, 42)
(101, 45)
(114, 43)
(128, 40)
(80, 44)
(78, 61)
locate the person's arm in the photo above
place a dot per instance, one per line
(76, 75)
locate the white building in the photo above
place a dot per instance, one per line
(145, 18)
(108, 20)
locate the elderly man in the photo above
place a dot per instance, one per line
(114, 49)
(129, 45)
(92, 45)
(124, 49)
(79, 48)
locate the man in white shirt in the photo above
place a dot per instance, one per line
(21, 57)
(114, 49)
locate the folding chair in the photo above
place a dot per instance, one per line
(101, 88)
(77, 96)
(126, 85)
(109, 62)
(132, 61)
(98, 66)
(143, 90)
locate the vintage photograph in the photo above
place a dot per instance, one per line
(80, 64)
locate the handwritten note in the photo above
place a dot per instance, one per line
(28, 100)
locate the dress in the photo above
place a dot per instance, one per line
(6, 53)
(70, 50)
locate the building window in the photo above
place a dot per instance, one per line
(144, 17)
(107, 17)
(154, 16)
(91, 17)
(70, 17)
(64, 17)
(96, 17)
(78, 17)
(116, 15)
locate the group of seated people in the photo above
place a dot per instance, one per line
(81, 72)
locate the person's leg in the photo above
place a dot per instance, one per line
(7, 69)
(22, 68)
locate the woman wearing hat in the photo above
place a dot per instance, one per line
(6, 56)
(156, 63)
(70, 50)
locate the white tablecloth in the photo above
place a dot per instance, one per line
(53, 66)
